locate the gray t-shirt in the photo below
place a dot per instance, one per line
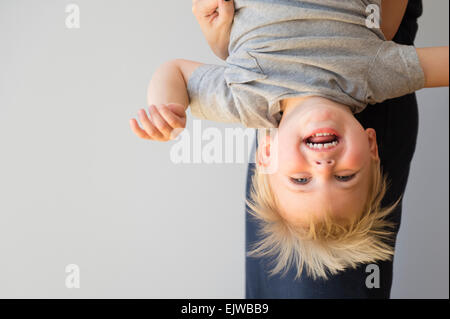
(291, 48)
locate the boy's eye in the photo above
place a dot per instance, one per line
(300, 181)
(345, 178)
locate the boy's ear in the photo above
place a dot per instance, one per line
(372, 134)
(263, 153)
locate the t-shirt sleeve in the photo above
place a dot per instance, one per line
(209, 95)
(395, 71)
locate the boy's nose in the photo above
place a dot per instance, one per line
(325, 163)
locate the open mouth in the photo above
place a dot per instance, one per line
(322, 141)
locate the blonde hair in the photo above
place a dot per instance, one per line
(323, 246)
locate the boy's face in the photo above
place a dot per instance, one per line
(324, 162)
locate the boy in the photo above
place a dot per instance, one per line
(304, 67)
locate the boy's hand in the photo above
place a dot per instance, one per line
(215, 18)
(164, 124)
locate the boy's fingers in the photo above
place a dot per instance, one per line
(178, 109)
(171, 118)
(137, 130)
(159, 121)
(151, 130)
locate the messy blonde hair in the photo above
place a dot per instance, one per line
(322, 246)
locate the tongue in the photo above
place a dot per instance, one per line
(322, 139)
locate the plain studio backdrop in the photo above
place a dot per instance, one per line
(77, 187)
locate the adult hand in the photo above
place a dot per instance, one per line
(215, 18)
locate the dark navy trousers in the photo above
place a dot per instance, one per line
(396, 123)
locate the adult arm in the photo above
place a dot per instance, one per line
(392, 13)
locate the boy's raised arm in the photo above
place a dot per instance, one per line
(435, 65)
(215, 18)
(392, 12)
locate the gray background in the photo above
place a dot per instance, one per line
(76, 186)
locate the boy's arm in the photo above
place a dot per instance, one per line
(215, 18)
(168, 100)
(399, 69)
(169, 83)
(435, 65)
(392, 12)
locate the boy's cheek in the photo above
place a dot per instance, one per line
(290, 159)
(355, 156)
